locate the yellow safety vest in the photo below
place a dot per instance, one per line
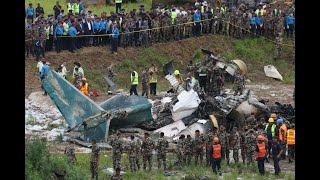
(173, 16)
(47, 32)
(273, 127)
(223, 10)
(66, 28)
(75, 8)
(291, 134)
(262, 12)
(118, 1)
(69, 7)
(135, 78)
(153, 78)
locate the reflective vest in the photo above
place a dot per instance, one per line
(173, 16)
(283, 126)
(216, 153)
(66, 28)
(291, 134)
(223, 10)
(273, 127)
(84, 89)
(69, 7)
(47, 32)
(262, 150)
(153, 78)
(135, 80)
(118, 1)
(261, 11)
(75, 8)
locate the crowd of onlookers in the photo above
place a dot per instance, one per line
(77, 27)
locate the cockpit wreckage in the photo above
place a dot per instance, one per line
(181, 111)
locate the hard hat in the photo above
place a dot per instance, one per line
(215, 139)
(176, 72)
(280, 121)
(273, 115)
(260, 137)
(270, 120)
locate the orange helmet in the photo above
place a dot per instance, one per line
(273, 115)
(260, 138)
(215, 139)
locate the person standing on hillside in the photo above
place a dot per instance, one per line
(134, 82)
(114, 42)
(39, 10)
(145, 81)
(30, 13)
(44, 70)
(161, 147)
(57, 10)
(261, 153)
(153, 79)
(70, 152)
(278, 48)
(118, 5)
(94, 161)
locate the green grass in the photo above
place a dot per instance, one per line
(48, 6)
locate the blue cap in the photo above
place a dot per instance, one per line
(280, 121)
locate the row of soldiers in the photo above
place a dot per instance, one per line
(166, 27)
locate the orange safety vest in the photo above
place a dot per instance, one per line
(284, 127)
(262, 150)
(216, 153)
(84, 89)
(291, 134)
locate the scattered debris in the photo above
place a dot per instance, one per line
(110, 171)
(271, 71)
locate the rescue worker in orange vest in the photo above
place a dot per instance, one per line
(84, 87)
(291, 134)
(215, 152)
(261, 153)
(276, 150)
(282, 136)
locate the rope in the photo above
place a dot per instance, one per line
(157, 28)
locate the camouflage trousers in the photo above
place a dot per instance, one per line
(162, 157)
(147, 157)
(199, 154)
(284, 148)
(138, 162)
(188, 30)
(208, 158)
(225, 153)
(116, 160)
(176, 35)
(250, 155)
(291, 151)
(167, 34)
(236, 154)
(94, 166)
(145, 89)
(243, 154)
(154, 36)
(132, 162)
(180, 158)
(72, 160)
(277, 52)
(144, 39)
(238, 89)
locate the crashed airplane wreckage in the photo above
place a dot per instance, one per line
(181, 112)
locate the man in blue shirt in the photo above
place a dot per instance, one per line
(30, 12)
(114, 37)
(103, 26)
(289, 24)
(196, 20)
(73, 33)
(96, 31)
(259, 23)
(252, 20)
(45, 68)
(57, 36)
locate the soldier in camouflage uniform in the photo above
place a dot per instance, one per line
(94, 161)
(205, 23)
(180, 151)
(198, 147)
(28, 41)
(238, 84)
(155, 32)
(278, 48)
(188, 148)
(44, 38)
(116, 144)
(251, 121)
(132, 147)
(176, 28)
(146, 148)
(168, 28)
(224, 141)
(70, 152)
(138, 153)
(238, 26)
(243, 144)
(144, 34)
(145, 82)
(126, 36)
(267, 25)
(209, 142)
(162, 146)
(111, 72)
(250, 142)
(77, 78)
(188, 27)
(235, 143)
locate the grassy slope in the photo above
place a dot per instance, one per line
(256, 53)
(48, 5)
